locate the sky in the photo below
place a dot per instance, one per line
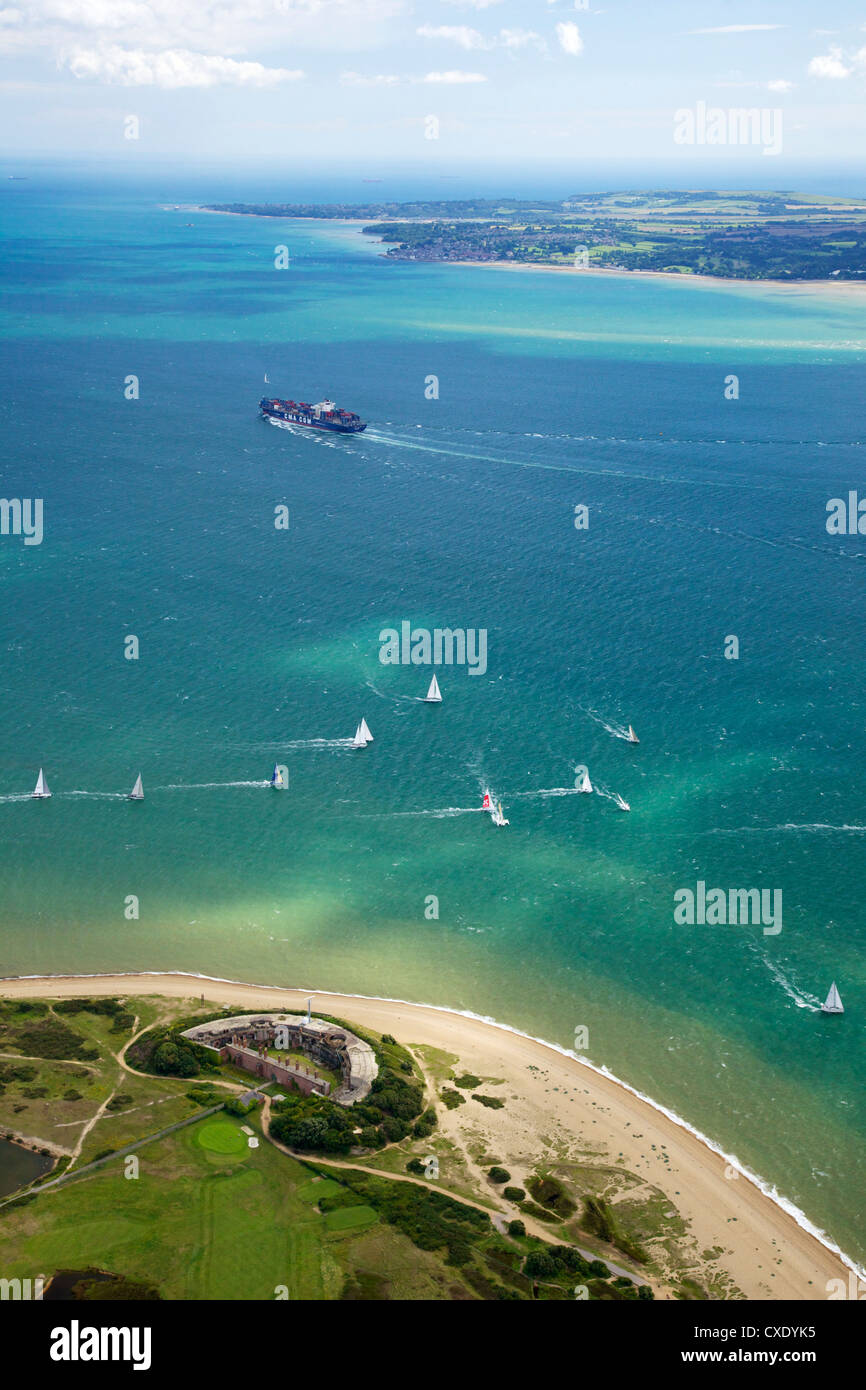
(374, 83)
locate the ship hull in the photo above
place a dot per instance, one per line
(292, 417)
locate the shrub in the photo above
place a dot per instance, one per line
(72, 1094)
(467, 1082)
(119, 1102)
(514, 1194)
(516, 1228)
(550, 1193)
(492, 1102)
(497, 1174)
(451, 1098)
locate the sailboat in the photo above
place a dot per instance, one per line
(277, 778)
(497, 817)
(365, 731)
(434, 694)
(41, 787)
(586, 785)
(632, 736)
(137, 793)
(832, 1004)
(267, 383)
(487, 803)
(623, 805)
(359, 740)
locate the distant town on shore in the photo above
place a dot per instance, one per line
(730, 235)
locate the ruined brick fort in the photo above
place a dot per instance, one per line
(250, 1040)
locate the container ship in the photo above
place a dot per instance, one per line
(323, 416)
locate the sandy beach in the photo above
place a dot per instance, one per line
(843, 287)
(554, 1101)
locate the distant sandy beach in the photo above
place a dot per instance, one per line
(844, 287)
(767, 1253)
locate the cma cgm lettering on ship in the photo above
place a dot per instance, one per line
(323, 416)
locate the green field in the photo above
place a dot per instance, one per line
(205, 1223)
(221, 1137)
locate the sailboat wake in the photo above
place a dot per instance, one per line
(441, 813)
(617, 730)
(205, 786)
(552, 791)
(802, 1001)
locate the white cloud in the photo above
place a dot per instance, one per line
(520, 38)
(779, 84)
(829, 65)
(458, 33)
(569, 38)
(357, 79)
(738, 29)
(474, 4)
(172, 68)
(470, 39)
(454, 79)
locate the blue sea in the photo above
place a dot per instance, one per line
(259, 645)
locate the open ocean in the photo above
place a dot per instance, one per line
(707, 519)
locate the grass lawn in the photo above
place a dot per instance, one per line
(203, 1223)
(312, 1192)
(221, 1137)
(350, 1218)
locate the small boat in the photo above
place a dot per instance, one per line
(632, 736)
(359, 740)
(487, 803)
(832, 1004)
(586, 785)
(434, 694)
(365, 731)
(137, 793)
(497, 816)
(267, 383)
(277, 778)
(623, 805)
(41, 791)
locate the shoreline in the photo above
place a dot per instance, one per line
(708, 1199)
(846, 287)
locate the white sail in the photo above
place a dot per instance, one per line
(832, 1004)
(365, 731)
(434, 694)
(632, 736)
(359, 740)
(137, 793)
(41, 785)
(267, 383)
(586, 785)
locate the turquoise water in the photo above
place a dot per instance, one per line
(260, 646)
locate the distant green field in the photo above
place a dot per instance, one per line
(350, 1218)
(312, 1192)
(204, 1224)
(221, 1137)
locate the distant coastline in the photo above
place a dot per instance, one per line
(831, 283)
(696, 1174)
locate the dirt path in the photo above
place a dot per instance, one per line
(533, 1228)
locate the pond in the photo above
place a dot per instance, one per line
(19, 1166)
